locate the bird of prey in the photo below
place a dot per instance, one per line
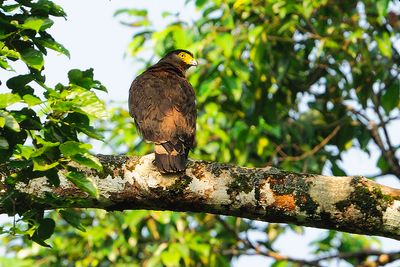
(162, 102)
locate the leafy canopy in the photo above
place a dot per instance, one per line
(286, 83)
(42, 127)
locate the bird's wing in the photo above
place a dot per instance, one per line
(163, 106)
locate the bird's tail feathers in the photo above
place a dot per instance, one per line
(170, 158)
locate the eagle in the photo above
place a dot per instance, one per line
(163, 105)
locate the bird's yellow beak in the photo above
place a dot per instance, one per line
(193, 62)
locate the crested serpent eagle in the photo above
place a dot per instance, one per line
(162, 102)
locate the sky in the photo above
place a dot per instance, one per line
(97, 40)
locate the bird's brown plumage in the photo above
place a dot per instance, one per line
(162, 102)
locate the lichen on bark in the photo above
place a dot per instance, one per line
(352, 204)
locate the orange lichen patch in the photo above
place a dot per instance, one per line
(284, 202)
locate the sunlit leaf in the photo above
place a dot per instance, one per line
(9, 121)
(384, 44)
(10, 53)
(33, 58)
(83, 183)
(71, 148)
(40, 164)
(32, 24)
(73, 218)
(88, 161)
(8, 99)
(52, 44)
(31, 100)
(3, 143)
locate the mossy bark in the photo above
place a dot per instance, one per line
(351, 204)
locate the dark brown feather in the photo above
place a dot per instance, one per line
(162, 102)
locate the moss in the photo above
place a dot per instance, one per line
(217, 168)
(172, 192)
(356, 180)
(306, 203)
(366, 201)
(343, 204)
(243, 181)
(371, 203)
(116, 165)
(180, 185)
(385, 198)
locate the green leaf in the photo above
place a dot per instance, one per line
(382, 7)
(83, 183)
(3, 143)
(2, 122)
(46, 228)
(32, 24)
(281, 263)
(10, 8)
(88, 161)
(24, 151)
(16, 262)
(136, 45)
(131, 12)
(336, 170)
(384, 44)
(71, 148)
(19, 81)
(82, 123)
(9, 121)
(383, 164)
(170, 257)
(39, 241)
(44, 146)
(391, 97)
(4, 64)
(10, 53)
(200, 3)
(226, 42)
(73, 218)
(84, 79)
(49, 7)
(8, 99)
(31, 100)
(202, 248)
(86, 102)
(40, 164)
(52, 44)
(33, 58)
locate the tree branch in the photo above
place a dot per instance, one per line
(351, 204)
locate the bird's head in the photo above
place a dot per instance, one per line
(181, 57)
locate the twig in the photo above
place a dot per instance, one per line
(374, 131)
(383, 257)
(315, 149)
(258, 251)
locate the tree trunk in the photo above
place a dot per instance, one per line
(351, 204)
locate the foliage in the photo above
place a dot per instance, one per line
(286, 83)
(42, 126)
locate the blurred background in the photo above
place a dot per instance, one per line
(310, 86)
